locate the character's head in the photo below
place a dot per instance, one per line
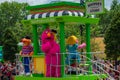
(47, 35)
(26, 41)
(72, 40)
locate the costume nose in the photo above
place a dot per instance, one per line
(48, 34)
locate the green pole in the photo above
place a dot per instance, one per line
(62, 47)
(35, 40)
(88, 47)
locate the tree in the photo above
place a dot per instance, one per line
(104, 21)
(105, 18)
(10, 45)
(112, 38)
(11, 28)
(114, 4)
(10, 14)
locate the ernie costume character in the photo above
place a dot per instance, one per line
(52, 53)
(26, 53)
(72, 46)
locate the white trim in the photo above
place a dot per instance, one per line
(29, 17)
(52, 14)
(44, 15)
(36, 16)
(60, 13)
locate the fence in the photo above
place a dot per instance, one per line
(77, 64)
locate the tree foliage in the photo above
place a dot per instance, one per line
(9, 45)
(112, 35)
(11, 13)
(114, 4)
(105, 18)
(11, 28)
(104, 21)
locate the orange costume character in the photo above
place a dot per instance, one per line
(26, 53)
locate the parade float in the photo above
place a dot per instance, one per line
(61, 13)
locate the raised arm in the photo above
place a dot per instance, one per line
(83, 45)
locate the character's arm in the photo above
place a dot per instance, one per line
(45, 47)
(83, 45)
(31, 49)
(20, 53)
(55, 49)
(31, 53)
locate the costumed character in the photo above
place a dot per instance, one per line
(52, 53)
(26, 53)
(72, 46)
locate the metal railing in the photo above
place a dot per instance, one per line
(74, 67)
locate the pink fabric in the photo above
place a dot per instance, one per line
(52, 54)
(82, 46)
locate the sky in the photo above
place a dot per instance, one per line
(38, 2)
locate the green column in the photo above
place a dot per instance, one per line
(88, 49)
(62, 47)
(35, 40)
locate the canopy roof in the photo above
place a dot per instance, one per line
(67, 12)
(54, 14)
(56, 6)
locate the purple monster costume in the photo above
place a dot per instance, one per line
(52, 53)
